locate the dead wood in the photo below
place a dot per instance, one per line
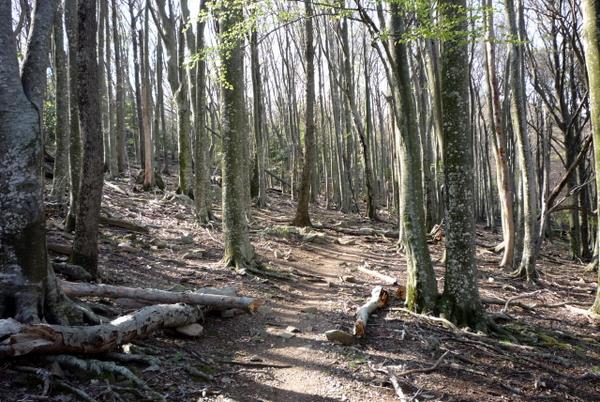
(18, 339)
(255, 364)
(396, 384)
(71, 271)
(364, 231)
(160, 296)
(59, 248)
(388, 280)
(123, 224)
(379, 299)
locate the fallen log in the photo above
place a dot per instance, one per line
(388, 280)
(160, 296)
(59, 248)
(364, 231)
(379, 299)
(71, 271)
(131, 226)
(19, 339)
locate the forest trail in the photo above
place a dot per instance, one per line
(262, 358)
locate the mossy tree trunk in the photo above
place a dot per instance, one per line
(302, 217)
(421, 286)
(28, 289)
(591, 42)
(238, 250)
(460, 301)
(85, 245)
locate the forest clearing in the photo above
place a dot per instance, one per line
(298, 200)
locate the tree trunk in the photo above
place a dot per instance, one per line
(302, 217)
(60, 178)
(499, 144)
(238, 250)
(258, 178)
(202, 189)
(591, 36)
(28, 288)
(147, 104)
(460, 301)
(120, 94)
(421, 286)
(518, 104)
(74, 134)
(85, 245)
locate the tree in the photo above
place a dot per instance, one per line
(238, 250)
(302, 217)
(518, 110)
(60, 179)
(460, 301)
(74, 134)
(120, 96)
(28, 288)
(591, 42)
(85, 245)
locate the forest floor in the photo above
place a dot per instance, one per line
(551, 351)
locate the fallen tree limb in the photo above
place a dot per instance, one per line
(255, 364)
(71, 271)
(59, 248)
(424, 370)
(18, 339)
(388, 280)
(120, 223)
(160, 296)
(521, 296)
(364, 231)
(396, 384)
(379, 299)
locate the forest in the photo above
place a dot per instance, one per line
(299, 200)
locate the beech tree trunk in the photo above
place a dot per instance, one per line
(120, 94)
(28, 288)
(60, 178)
(518, 110)
(460, 302)
(238, 250)
(74, 134)
(591, 42)
(85, 244)
(302, 217)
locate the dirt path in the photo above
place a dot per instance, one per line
(544, 358)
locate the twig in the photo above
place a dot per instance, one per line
(521, 296)
(396, 384)
(424, 370)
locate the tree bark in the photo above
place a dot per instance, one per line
(85, 244)
(460, 302)
(518, 109)
(591, 42)
(120, 93)
(75, 151)
(302, 217)
(238, 250)
(60, 178)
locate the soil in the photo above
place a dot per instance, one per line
(549, 352)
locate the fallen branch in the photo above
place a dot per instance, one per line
(71, 271)
(19, 339)
(388, 280)
(424, 370)
(160, 296)
(364, 231)
(521, 296)
(396, 384)
(131, 226)
(255, 364)
(379, 299)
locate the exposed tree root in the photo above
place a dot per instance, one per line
(364, 231)
(123, 224)
(71, 271)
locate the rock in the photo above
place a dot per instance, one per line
(341, 337)
(127, 247)
(193, 330)
(311, 310)
(312, 237)
(346, 240)
(280, 333)
(187, 239)
(292, 329)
